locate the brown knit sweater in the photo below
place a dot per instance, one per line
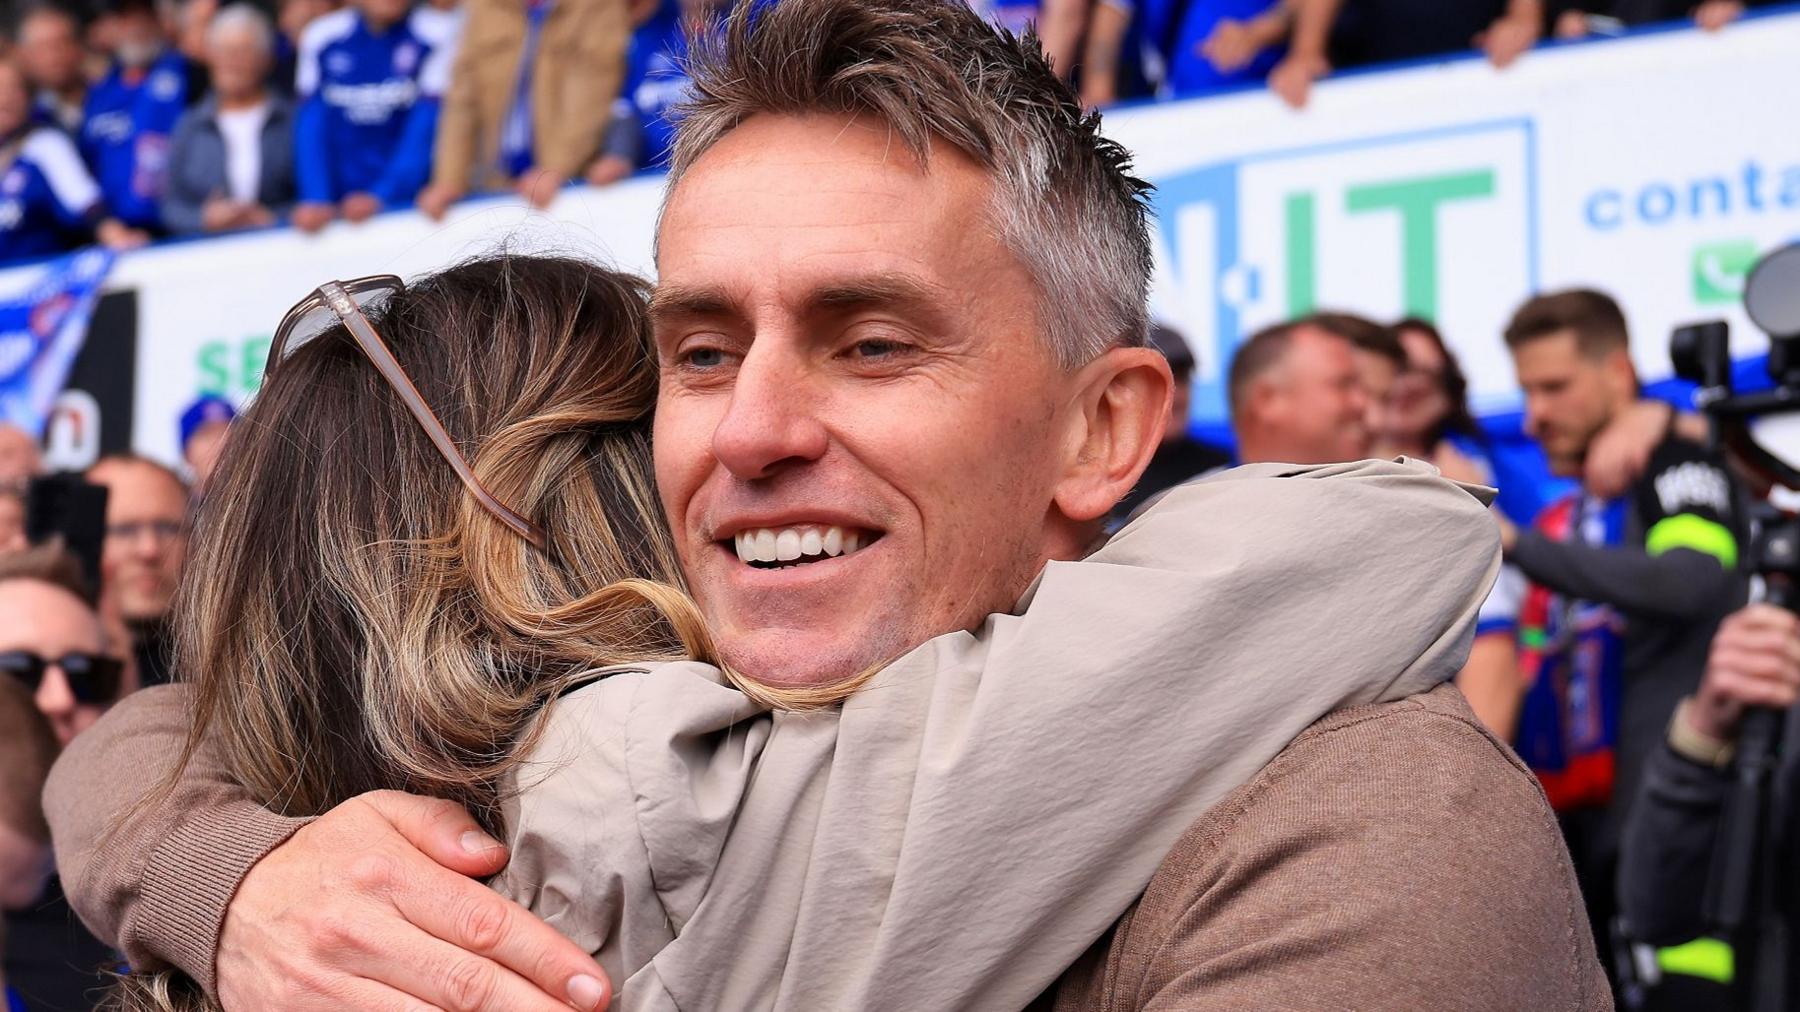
(1395, 856)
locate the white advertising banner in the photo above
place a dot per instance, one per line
(1656, 167)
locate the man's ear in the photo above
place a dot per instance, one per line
(1122, 400)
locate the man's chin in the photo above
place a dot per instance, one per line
(797, 659)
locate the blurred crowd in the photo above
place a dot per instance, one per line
(123, 121)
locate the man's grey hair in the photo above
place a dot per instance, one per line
(1065, 201)
(242, 17)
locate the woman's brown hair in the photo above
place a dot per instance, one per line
(352, 619)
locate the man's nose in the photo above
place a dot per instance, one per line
(53, 696)
(773, 421)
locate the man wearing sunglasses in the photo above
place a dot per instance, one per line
(52, 641)
(54, 650)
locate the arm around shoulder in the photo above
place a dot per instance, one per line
(153, 872)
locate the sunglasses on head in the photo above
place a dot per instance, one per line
(92, 678)
(343, 302)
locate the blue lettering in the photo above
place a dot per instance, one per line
(1753, 177)
(1603, 210)
(1790, 187)
(1721, 203)
(1656, 203)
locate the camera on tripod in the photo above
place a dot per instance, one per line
(1748, 883)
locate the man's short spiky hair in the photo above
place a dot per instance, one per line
(1065, 201)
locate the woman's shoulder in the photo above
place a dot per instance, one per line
(652, 701)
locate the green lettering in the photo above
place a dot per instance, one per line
(1417, 202)
(1302, 257)
(215, 377)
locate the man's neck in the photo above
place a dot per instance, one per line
(239, 103)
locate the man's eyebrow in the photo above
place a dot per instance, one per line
(874, 290)
(686, 300)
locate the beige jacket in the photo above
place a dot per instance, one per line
(954, 837)
(577, 73)
(972, 820)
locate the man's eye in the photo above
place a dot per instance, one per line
(876, 348)
(703, 358)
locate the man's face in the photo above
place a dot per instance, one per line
(849, 352)
(239, 63)
(19, 457)
(1419, 401)
(49, 51)
(382, 13)
(1569, 397)
(202, 451)
(51, 622)
(138, 37)
(15, 99)
(1316, 409)
(1378, 374)
(146, 537)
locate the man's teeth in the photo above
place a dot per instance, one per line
(796, 544)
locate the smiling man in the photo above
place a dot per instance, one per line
(901, 319)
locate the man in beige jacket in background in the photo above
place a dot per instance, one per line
(902, 289)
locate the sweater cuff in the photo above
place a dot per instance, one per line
(191, 878)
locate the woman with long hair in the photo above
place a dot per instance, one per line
(1429, 417)
(432, 560)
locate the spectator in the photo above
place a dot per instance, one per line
(131, 112)
(1626, 593)
(12, 518)
(191, 25)
(51, 55)
(1380, 359)
(231, 164)
(1581, 18)
(48, 202)
(369, 80)
(27, 748)
(1211, 44)
(1181, 457)
(54, 647)
(1430, 418)
(1352, 33)
(146, 544)
(656, 82)
(203, 428)
(291, 19)
(1297, 397)
(530, 97)
(20, 459)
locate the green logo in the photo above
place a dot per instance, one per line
(232, 368)
(1720, 269)
(1415, 202)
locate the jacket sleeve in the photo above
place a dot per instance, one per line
(153, 872)
(410, 164)
(181, 205)
(1681, 584)
(1666, 855)
(312, 157)
(1137, 689)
